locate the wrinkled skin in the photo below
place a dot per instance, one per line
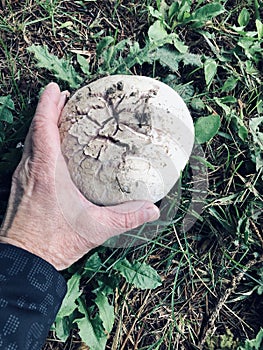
(34, 220)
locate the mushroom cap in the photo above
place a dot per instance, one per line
(126, 138)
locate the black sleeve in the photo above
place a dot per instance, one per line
(31, 292)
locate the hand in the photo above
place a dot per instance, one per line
(46, 214)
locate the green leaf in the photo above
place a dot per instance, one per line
(61, 68)
(192, 59)
(104, 44)
(230, 84)
(243, 18)
(106, 311)
(171, 59)
(167, 58)
(210, 69)
(186, 91)
(84, 65)
(180, 46)
(73, 293)
(206, 128)
(206, 13)
(259, 26)
(243, 132)
(91, 330)
(257, 136)
(253, 344)
(93, 263)
(157, 32)
(155, 13)
(197, 104)
(6, 108)
(139, 274)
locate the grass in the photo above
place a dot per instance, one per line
(211, 293)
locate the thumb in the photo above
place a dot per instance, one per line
(128, 215)
(43, 133)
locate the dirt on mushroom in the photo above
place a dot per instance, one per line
(126, 138)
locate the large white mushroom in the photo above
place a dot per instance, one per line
(126, 138)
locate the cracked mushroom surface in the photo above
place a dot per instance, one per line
(126, 138)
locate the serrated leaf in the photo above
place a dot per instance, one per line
(6, 108)
(167, 58)
(69, 301)
(91, 330)
(171, 59)
(210, 69)
(192, 59)
(206, 128)
(106, 311)
(61, 68)
(139, 274)
(84, 64)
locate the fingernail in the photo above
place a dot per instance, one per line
(52, 86)
(153, 213)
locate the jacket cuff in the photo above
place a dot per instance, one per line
(31, 292)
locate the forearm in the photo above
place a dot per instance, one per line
(31, 292)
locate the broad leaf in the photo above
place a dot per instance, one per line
(243, 17)
(106, 311)
(73, 293)
(91, 330)
(157, 33)
(61, 68)
(206, 128)
(6, 108)
(229, 84)
(210, 69)
(206, 13)
(139, 274)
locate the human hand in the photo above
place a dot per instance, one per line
(46, 213)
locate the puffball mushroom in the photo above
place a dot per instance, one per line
(126, 138)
